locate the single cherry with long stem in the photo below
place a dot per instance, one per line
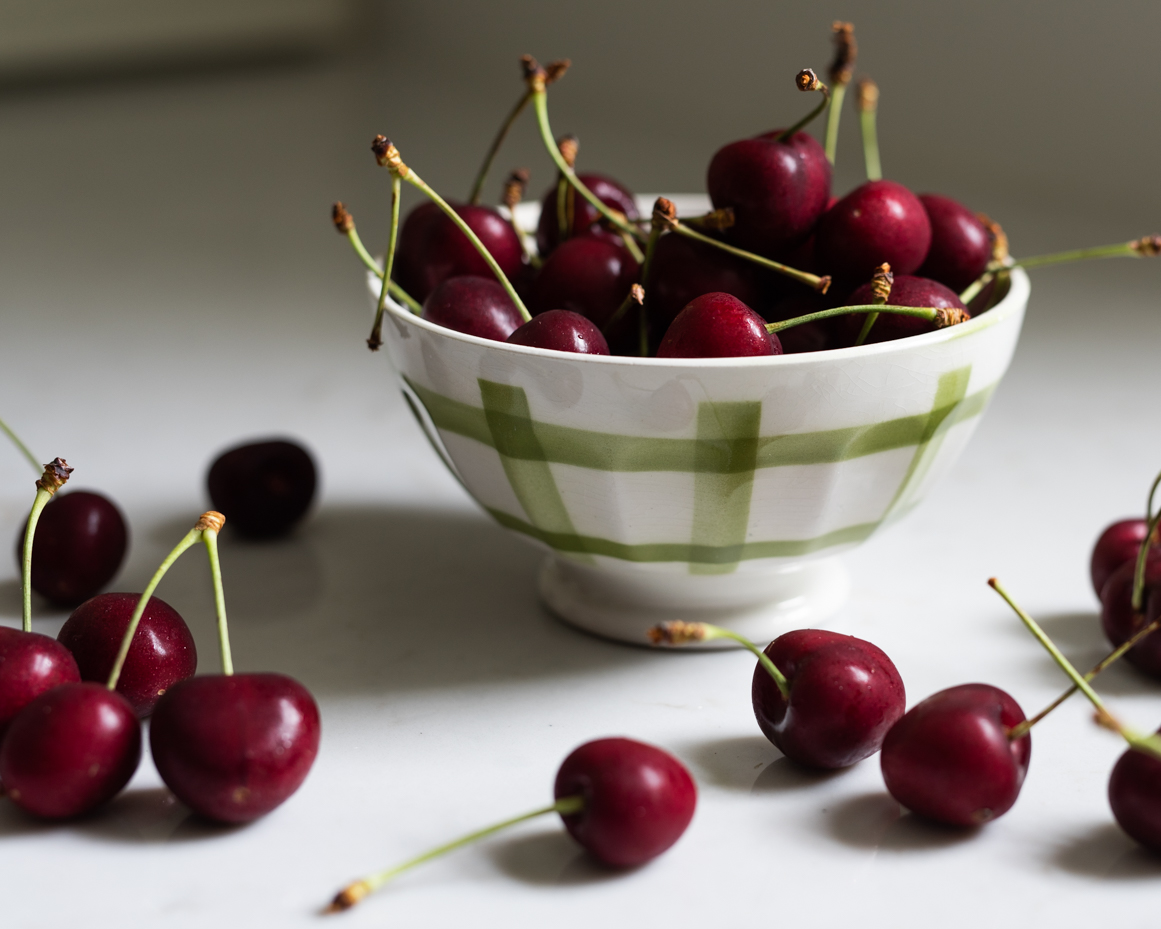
(624, 801)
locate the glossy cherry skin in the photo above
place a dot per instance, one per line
(844, 695)
(30, 664)
(1135, 797)
(717, 326)
(950, 759)
(561, 331)
(1119, 543)
(1120, 623)
(161, 654)
(432, 248)
(880, 221)
(80, 542)
(960, 245)
(777, 190)
(638, 800)
(589, 275)
(70, 750)
(479, 306)
(584, 215)
(232, 748)
(906, 291)
(263, 488)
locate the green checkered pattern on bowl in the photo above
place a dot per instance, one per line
(723, 458)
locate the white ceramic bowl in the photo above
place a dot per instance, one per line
(718, 489)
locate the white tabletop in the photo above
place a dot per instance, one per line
(147, 323)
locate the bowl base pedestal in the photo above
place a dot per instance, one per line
(622, 604)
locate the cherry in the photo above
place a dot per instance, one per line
(585, 217)
(561, 331)
(233, 747)
(71, 749)
(777, 189)
(476, 305)
(263, 487)
(78, 547)
(950, 758)
(161, 654)
(1135, 797)
(588, 275)
(881, 221)
(432, 248)
(1120, 621)
(843, 695)
(960, 245)
(624, 801)
(905, 291)
(1118, 544)
(717, 326)
(30, 664)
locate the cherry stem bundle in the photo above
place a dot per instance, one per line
(1148, 744)
(357, 890)
(494, 148)
(54, 476)
(679, 632)
(21, 447)
(345, 223)
(376, 339)
(941, 316)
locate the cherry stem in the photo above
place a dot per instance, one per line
(376, 339)
(501, 134)
(1138, 599)
(540, 102)
(680, 632)
(808, 81)
(838, 92)
(53, 477)
(821, 284)
(868, 101)
(191, 538)
(949, 317)
(32, 460)
(1118, 250)
(1152, 494)
(563, 213)
(881, 285)
(210, 538)
(972, 289)
(356, 891)
(372, 265)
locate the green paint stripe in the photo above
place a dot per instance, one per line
(727, 452)
(606, 451)
(693, 554)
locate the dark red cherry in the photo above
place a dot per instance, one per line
(479, 306)
(950, 759)
(1135, 797)
(562, 331)
(718, 326)
(589, 275)
(960, 245)
(161, 654)
(906, 291)
(70, 750)
(807, 337)
(585, 217)
(263, 488)
(844, 695)
(80, 543)
(1119, 543)
(30, 664)
(879, 222)
(638, 800)
(777, 190)
(233, 747)
(432, 248)
(1120, 623)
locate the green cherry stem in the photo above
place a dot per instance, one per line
(357, 890)
(345, 224)
(1152, 494)
(21, 447)
(942, 317)
(494, 148)
(1138, 600)
(881, 284)
(191, 538)
(1148, 744)
(806, 81)
(868, 104)
(211, 524)
(388, 156)
(841, 71)
(1145, 247)
(56, 473)
(375, 341)
(679, 632)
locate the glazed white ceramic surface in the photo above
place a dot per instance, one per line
(717, 489)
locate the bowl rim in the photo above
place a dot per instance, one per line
(1012, 304)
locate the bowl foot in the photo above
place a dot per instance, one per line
(622, 604)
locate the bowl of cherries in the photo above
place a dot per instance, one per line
(696, 411)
